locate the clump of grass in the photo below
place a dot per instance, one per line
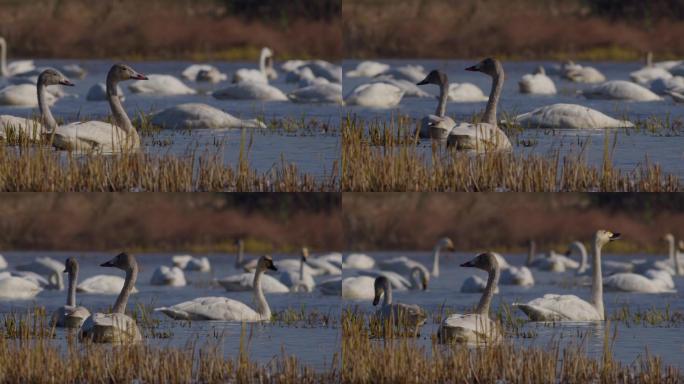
(404, 360)
(386, 157)
(302, 318)
(651, 317)
(42, 169)
(33, 324)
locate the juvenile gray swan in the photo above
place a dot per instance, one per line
(115, 327)
(405, 318)
(70, 315)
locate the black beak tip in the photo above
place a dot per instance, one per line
(472, 68)
(106, 264)
(375, 301)
(421, 82)
(467, 264)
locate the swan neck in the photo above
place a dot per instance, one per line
(443, 94)
(584, 264)
(120, 117)
(262, 305)
(435, 261)
(415, 282)
(597, 281)
(262, 62)
(45, 114)
(486, 299)
(497, 85)
(530, 253)
(129, 283)
(241, 255)
(71, 295)
(673, 255)
(3, 58)
(387, 300)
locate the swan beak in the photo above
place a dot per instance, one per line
(109, 263)
(423, 82)
(140, 76)
(67, 83)
(474, 68)
(272, 267)
(468, 264)
(376, 300)
(614, 236)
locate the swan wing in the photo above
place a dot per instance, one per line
(12, 287)
(250, 91)
(554, 307)
(466, 92)
(479, 137)
(469, 328)
(568, 116)
(317, 93)
(161, 85)
(103, 284)
(359, 261)
(375, 95)
(358, 288)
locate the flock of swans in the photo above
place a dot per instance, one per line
(389, 85)
(373, 280)
(27, 86)
(364, 279)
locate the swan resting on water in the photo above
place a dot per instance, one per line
(70, 315)
(407, 318)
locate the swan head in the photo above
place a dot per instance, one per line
(539, 71)
(124, 261)
(379, 285)
(53, 77)
(266, 262)
(681, 245)
(435, 77)
(669, 237)
(603, 237)
(121, 72)
(488, 66)
(305, 253)
(446, 243)
(485, 261)
(71, 265)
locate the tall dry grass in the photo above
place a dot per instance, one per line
(384, 156)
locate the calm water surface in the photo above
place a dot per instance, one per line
(631, 343)
(314, 345)
(630, 151)
(313, 150)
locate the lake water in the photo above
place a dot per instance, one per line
(632, 148)
(314, 344)
(631, 343)
(313, 150)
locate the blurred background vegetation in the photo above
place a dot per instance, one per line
(171, 29)
(507, 221)
(513, 29)
(169, 222)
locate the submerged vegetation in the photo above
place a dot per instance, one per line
(385, 156)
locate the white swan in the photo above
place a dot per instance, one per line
(650, 72)
(375, 95)
(115, 327)
(633, 282)
(324, 69)
(358, 288)
(17, 288)
(299, 280)
(172, 276)
(554, 307)
(98, 92)
(672, 265)
(23, 95)
(200, 116)
(250, 91)
(368, 69)
(581, 74)
(99, 135)
(403, 265)
(317, 94)
(47, 267)
(245, 282)
(15, 67)
(74, 71)
(568, 116)
(165, 85)
(417, 279)
(261, 75)
(465, 93)
(223, 308)
(103, 285)
(537, 83)
(240, 262)
(609, 266)
(410, 89)
(403, 317)
(209, 73)
(412, 73)
(322, 266)
(486, 135)
(199, 264)
(358, 261)
(333, 258)
(70, 315)
(521, 276)
(439, 125)
(620, 90)
(475, 327)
